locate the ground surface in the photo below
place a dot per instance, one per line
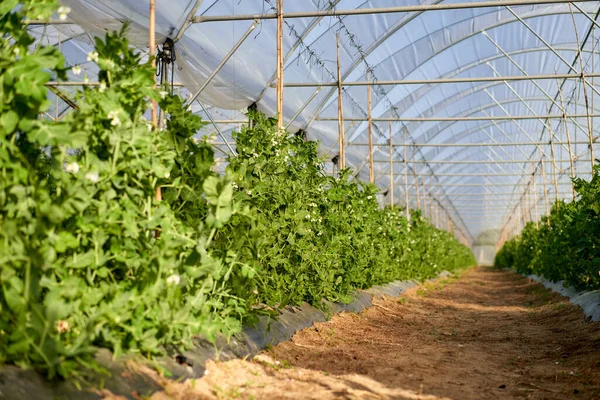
(485, 335)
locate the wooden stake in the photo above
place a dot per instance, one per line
(535, 202)
(544, 183)
(280, 64)
(424, 197)
(391, 168)
(406, 200)
(340, 109)
(417, 190)
(152, 45)
(370, 129)
(554, 167)
(568, 140)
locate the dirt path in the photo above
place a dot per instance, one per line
(486, 335)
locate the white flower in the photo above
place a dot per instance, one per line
(76, 70)
(369, 197)
(173, 280)
(167, 175)
(72, 167)
(234, 185)
(150, 127)
(92, 56)
(255, 155)
(63, 12)
(248, 192)
(92, 176)
(114, 118)
(62, 326)
(102, 87)
(17, 51)
(255, 291)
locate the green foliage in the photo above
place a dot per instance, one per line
(566, 246)
(90, 258)
(82, 265)
(322, 237)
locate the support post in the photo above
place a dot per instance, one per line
(568, 139)
(370, 131)
(391, 168)
(152, 45)
(406, 201)
(535, 202)
(554, 167)
(545, 188)
(585, 94)
(279, 64)
(340, 109)
(417, 189)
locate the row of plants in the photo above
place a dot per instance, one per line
(566, 244)
(90, 258)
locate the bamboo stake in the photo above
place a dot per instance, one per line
(535, 202)
(370, 129)
(340, 109)
(418, 190)
(280, 64)
(568, 139)
(152, 45)
(424, 197)
(431, 208)
(406, 201)
(554, 167)
(391, 169)
(585, 95)
(544, 183)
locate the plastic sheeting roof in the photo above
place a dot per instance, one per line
(465, 43)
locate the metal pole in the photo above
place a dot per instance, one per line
(280, 64)
(450, 119)
(303, 107)
(585, 94)
(370, 133)
(554, 165)
(222, 63)
(478, 162)
(340, 117)
(214, 124)
(568, 140)
(493, 144)
(537, 85)
(436, 81)
(381, 10)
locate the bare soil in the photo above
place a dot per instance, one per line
(487, 334)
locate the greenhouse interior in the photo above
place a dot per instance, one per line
(309, 199)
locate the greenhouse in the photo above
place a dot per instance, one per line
(299, 199)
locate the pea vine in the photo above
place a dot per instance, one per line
(566, 245)
(89, 258)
